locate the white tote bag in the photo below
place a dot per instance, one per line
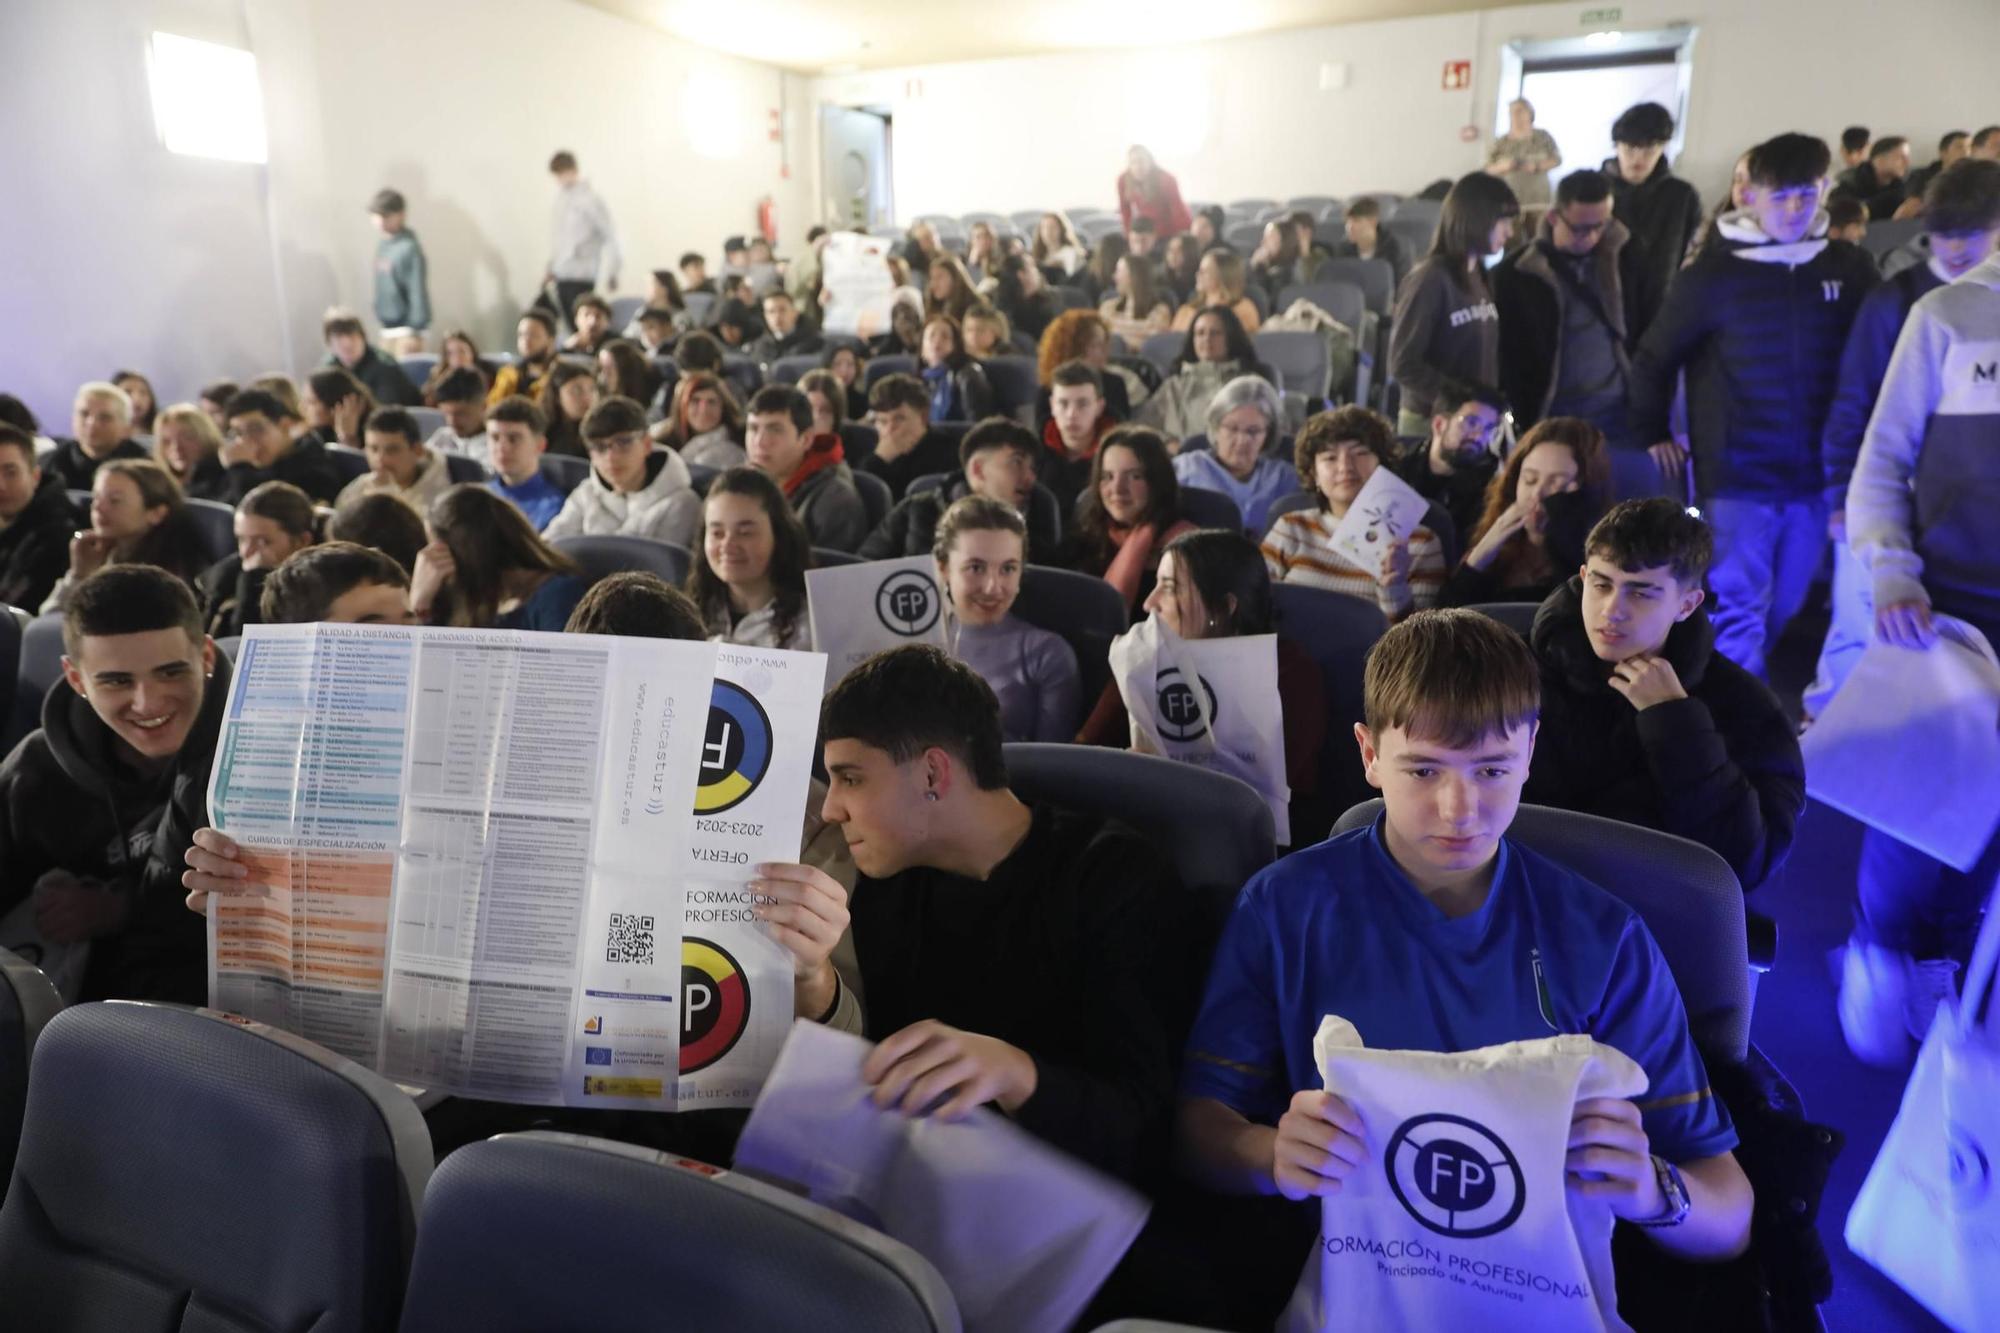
(1903, 720)
(1929, 1213)
(1462, 1218)
(1233, 723)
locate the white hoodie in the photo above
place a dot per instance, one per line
(666, 509)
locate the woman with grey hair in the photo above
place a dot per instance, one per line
(1243, 421)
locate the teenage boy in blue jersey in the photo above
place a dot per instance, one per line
(1431, 931)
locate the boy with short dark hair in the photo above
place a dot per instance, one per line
(1658, 207)
(997, 459)
(259, 447)
(899, 406)
(590, 316)
(402, 291)
(694, 274)
(339, 583)
(517, 437)
(37, 521)
(461, 396)
(1642, 721)
(98, 806)
(1846, 219)
(1362, 224)
(1757, 321)
(347, 346)
(1079, 419)
(632, 489)
(535, 344)
(398, 463)
(785, 333)
(810, 469)
(1882, 182)
(1420, 931)
(1853, 146)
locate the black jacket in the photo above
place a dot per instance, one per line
(911, 527)
(305, 465)
(383, 376)
(1663, 211)
(231, 596)
(1760, 340)
(68, 801)
(34, 548)
(801, 341)
(971, 390)
(78, 469)
(209, 481)
(1532, 297)
(935, 452)
(1882, 198)
(1720, 767)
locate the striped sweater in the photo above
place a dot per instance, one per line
(1299, 549)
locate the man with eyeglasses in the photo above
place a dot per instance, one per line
(260, 448)
(1574, 303)
(1451, 468)
(633, 489)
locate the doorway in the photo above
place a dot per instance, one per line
(1579, 86)
(855, 161)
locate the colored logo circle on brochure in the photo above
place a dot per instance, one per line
(715, 1003)
(1179, 713)
(736, 752)
(908, 603)
(1455, 1176)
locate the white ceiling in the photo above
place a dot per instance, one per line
(820, 36)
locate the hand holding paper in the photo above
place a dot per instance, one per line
(1386, 511)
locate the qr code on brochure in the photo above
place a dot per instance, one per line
(631, 940)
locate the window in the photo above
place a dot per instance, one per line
(206, 102)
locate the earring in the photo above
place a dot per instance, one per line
(930, 796)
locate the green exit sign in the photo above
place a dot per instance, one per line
(1595, 17)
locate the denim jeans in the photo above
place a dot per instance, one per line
(1908, 902)
(1766, 554)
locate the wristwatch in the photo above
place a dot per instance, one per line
(1674, 1190)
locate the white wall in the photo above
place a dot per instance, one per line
(118, 253)
(1246, 117)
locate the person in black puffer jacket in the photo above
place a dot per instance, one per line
(1642, 720)
(96, 810)
(1659, 208)
(1757, 322)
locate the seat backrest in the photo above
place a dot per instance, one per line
(13, 625)
(1215, 828)
(564, 471)
(701, 476)
(1027, 219)
(1095, 229)
(417, 368)
(1243, 237)
(1416, 209)
(1148, 371)
(464, 467)
(625, 309)
(1161, 349)
(1375, 277)
(1299, 357)
(429, 421)
(28, 1000)
(40, 668)
(876, 497)
(858, 439)
(1687, 895)
(1319, 205)
(792, 369)
(1085, 612)
(990, 219)
(1253, 205)
(1415, 234)
(895, 364)
(1890, 233)
(1336, 631)
(348, 461)
(185, 1169)
(548, 1232)
(698, 306)
(1516, 616)
(1439, 520)
(825, 557)
(1343, 300)
(1211, 509)
(745, 376)
(606, 555)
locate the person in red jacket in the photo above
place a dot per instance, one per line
(1148, 192)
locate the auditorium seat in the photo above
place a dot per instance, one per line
(565, 472)
(417, 368)
(1243, 237)
(13, 625)
(184, 1169)
(1889, 233)
(1043, 507)
(876, 497)
(1321, 206)
(894, 364)
(464, 467)
(1211, 509)
(1687, 895)
(1085, 612)
(1375, 277)
(625, 309)
(825, 557)
(429, 421)
(1215, 828)
(28, 1000)
(701, 476)
(1516, 616)
(1336, 631)
(792, 369)
(1415, 233)
(556, 1233)
(1252, 206)
(1298, 357)
(1162, 348)
(348, 461)
(41, 668)
(603, 556)
(745, 376)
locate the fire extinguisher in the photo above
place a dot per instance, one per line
(767, 219)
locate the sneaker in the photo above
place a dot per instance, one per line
(1874, 998)
(1932, 981)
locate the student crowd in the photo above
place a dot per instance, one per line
(1564, 396)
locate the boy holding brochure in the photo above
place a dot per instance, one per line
(1431, 931)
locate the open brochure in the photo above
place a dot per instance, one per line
(514, 865)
